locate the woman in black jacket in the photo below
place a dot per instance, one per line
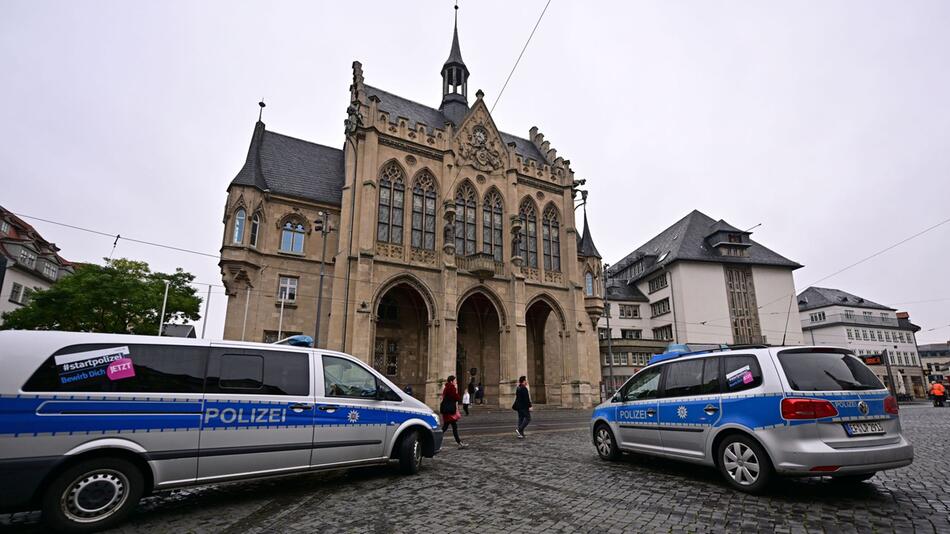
(522, 405)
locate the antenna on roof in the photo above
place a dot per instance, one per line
(754, 227)
(261, 112)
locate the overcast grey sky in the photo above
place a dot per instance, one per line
(826, 121)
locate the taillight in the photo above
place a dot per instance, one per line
(890, 405)
(807, 409)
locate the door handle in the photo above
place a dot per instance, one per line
(651, 412)
(301, 407)
(329, 408)
(710, 409)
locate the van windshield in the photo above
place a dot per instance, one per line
(824, 371)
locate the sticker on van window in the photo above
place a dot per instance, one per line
(120, 369)
(740, 376)
(93, 364)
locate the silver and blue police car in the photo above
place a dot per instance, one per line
(756, 413)
(91, 422)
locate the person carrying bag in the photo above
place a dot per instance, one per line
(449, 408)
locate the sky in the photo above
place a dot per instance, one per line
(824, 121)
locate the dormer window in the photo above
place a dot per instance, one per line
(735, 238)
(638, 268)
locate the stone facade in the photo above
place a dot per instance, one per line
(453, 247)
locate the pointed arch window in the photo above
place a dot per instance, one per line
(551, 239)
(240, 217)
(392, 191)
(528, 247)
(465, 220)
(423, 211)
(492, 225)
(589, 284)
(291, 237)
(255, 229)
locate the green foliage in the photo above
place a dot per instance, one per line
(122, 297)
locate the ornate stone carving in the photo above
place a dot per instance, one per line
(388, 250)
(553, 277)
(411, 160)
(478, 144)
(423, 256)
(354, 119)
(532, 274)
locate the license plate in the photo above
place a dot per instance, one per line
(863, 429)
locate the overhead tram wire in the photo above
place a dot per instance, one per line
(517, 61)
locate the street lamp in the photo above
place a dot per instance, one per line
(321, 225)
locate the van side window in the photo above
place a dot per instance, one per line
(711, 376)
(684, 378)
(644, 385)
(343, 378)
(135, 368)
(258, 372)
(740, 373)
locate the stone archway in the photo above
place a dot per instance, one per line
(478, 344)
(545, 357)
(401, 337)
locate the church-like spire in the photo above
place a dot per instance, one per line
(455, 80)
(586, 247)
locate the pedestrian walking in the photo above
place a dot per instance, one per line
(522, 405)
(466, 401)
(449, 408)
(939, 394)
(479, 394)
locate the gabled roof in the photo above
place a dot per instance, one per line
(821, 297)
(620, 290)
(416, 113)
(289, 166)
(686, 240)
(585, 245)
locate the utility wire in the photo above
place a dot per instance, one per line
(510, 74)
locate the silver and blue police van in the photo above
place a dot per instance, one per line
(755, 413)
(89, 423)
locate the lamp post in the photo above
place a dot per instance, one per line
(610, 347)
(322, 225)
(161, 319)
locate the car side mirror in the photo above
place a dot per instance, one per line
(616, 398)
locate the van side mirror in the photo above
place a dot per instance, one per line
(616, 397)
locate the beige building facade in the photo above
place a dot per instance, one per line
(452, 248)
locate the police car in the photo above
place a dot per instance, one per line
(91, 422)
(758, 412)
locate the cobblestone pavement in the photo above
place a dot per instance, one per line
(554, 482)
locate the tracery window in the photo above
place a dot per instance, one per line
(528, 246)
(239, 220)
(392, 191)
(465, 220)
(551, 240)
(423, 212)
(291, 237)
(255, 229)
(492, 225)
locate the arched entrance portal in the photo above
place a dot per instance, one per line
(479, 345)
(401, 344)
(544, 352)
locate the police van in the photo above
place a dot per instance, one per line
(758, 412)
(91, 422)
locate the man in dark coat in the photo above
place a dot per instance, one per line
(522, 405)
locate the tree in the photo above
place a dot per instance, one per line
(122, 297)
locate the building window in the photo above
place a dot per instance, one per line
(528, 245)
(287, 289)
(5, 227)
(817, 317)
(616, 358)
(465, 220)
(492, 229)
(50, 271)
(16, 293)
(392, 191)
(880, 336)
(623, 358)
(589, 284)
(864, 334)
(663, 332)
(743, 312)
(423, 211)
(638, 268)
(900, 337)
(629, 311)
(27, 295)
(631, 334)
(27, 258)
(884, 315)
(887, 336)
(849, 314)
(850, 336)
(661, 307)
(551, 240)
(602, 333)
(291, 238)
(868, 315)
(255, 229)
(658, 283)
(239, 219)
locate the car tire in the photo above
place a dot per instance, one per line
(853, 479)
(92, 495)
(410, 453)
(605, 443)
(744, 464)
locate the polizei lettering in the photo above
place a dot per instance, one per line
(633, 414)
(243, 416)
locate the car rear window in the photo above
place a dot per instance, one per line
(827, 371)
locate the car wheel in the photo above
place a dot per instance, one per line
(93, 495)
(744, 464)
(410, 453)
(853, 479)
(605, 443)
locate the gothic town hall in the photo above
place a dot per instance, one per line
(452, 248)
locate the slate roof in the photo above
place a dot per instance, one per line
(686, 240)
(620, 290)
(585, 245)
(415, 112)
(289, 166)
(455, 55)
(821, 297)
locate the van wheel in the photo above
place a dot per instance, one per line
(744, 464)
(605, 443)
(410, 453)
(92, 495)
